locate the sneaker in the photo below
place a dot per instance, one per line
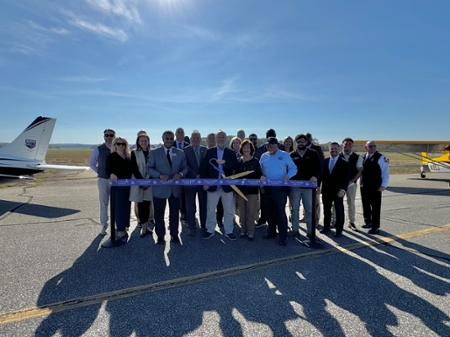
(207, 235)
(104, 230)
(352, 226)
(367, 225)
(231, 236)
(374, 231)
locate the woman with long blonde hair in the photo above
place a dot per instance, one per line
(119, 167)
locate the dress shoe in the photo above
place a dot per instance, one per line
(269, 236)
(352, 226)
(337, 234)
(161, 241)
(175, 239)
(367, 225)
(325, 230)
(374, 231)
(123, 237)
(282, 243)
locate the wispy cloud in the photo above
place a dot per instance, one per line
(123, 8)
(29, 38)
(54, 30)
(100, 29)
(226, 88)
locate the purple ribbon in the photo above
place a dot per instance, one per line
(213, 182)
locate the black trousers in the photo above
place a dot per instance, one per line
(190, 193)
(160, 208)
(275, 202)
(327, 201)
(371, 202)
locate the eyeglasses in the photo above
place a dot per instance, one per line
(109, 135)
(299, 141)
(372, 146)
(241, 134)
(121, 144)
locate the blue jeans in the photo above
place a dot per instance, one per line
(295, 195)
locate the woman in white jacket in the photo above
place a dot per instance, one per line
(142, 195)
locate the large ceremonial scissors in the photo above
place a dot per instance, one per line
(234, 176)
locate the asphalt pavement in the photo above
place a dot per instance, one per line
(57, 280)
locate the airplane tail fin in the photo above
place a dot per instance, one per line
(32, 143)
(424, 159)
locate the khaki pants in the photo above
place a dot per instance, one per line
(247, 211)
(351, 197)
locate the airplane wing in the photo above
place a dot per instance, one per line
(62, 167)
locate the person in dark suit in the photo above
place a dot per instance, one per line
(219, 158)
(167, 162)
(334, 183)
(194, 155)
(374, 180)
(181, 143)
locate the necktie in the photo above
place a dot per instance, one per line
(169, 158)
(179, 146)
(197, 154)
(332, 162)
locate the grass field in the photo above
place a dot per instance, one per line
(407, 163)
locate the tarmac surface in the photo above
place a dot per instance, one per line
(57, 280)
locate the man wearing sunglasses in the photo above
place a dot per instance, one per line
(97, 162)
(374, 180)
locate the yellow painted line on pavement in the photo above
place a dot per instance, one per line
(44, 310)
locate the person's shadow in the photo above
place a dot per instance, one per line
(72, 283)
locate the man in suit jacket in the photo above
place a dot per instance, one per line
(194, 155)
(223, 159)
(334, 183)
(167, 162)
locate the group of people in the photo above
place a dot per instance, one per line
(182, 157)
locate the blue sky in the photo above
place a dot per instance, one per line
(364, 69)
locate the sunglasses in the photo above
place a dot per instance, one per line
(252, 139)
(109, 135)
(372, 146)
(121, 144)
(299, 141)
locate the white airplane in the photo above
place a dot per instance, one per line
(26, 154)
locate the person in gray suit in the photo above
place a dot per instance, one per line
(167, 162)
(194, 155)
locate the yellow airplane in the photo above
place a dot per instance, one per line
(440, 164)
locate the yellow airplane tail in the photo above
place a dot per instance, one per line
(424, 160)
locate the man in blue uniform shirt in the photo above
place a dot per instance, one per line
(276, 165)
